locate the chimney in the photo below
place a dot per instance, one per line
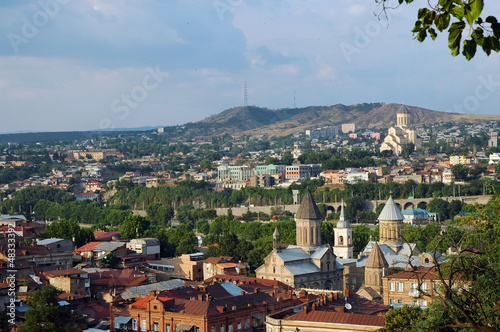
(346, 292)
(335, 296)
(152, 293)
(242, 292)
(255, 290)
(305, 309)
(201, 297)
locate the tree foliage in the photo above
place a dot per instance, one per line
(47, 315)
(466, 25)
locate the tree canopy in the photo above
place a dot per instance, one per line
(466, 24)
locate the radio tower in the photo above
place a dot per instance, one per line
(245, 95)
(294, 100)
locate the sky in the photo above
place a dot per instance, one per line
(68, 65)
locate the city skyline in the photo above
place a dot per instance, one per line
(67, 65)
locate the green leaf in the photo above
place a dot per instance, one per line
(469, 49)
(454, 37)
(446, 5)
(433, 33)
(421, 35)
(476, 7)
(491, 19)
(458, 12)
(422, 12)
(487, 45)
(442, 21)
(478, 35)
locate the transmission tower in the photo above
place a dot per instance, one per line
(245, 95)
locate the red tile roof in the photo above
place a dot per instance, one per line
(64, 272)
(88, 247)
(338, 317)
(428, 273)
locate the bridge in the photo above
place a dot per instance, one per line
(403, 204)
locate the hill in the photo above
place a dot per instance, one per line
(282, 122)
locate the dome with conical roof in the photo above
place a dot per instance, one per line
(391, 211)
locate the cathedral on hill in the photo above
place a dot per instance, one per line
(309, 264)
(401, 134)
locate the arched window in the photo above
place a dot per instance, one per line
(341, 240)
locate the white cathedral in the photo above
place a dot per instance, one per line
(401, 134)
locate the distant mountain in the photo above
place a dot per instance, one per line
(282, 122)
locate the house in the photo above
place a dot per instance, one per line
(223, 265)
(38, 256)
(412, 287)
(187, 266)
(93, 186)
(330, 313)
(148, 247)
(95, 251)
(217, 307)
(87, 195)
(70, 280)
(57, 244)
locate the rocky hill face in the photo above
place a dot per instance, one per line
(282, 122)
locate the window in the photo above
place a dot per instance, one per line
(341, 240)
(239, 324)
(230, 327)
(400, 286)
(391, 301)
(212, 328)
(414, 286)
(222, 328)
(134, 324)
(392, 286)
(247, 323)
(423, 287)
(400, 301)
(424, 303)
(143, 325)
(415, 302)
(156, 327)
(168, 328)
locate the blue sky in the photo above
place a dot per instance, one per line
(81, 65)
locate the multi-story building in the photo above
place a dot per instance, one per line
(233, 173)
(148, 247)
(348, 127)
(217, 307)
(411, 287)
(70, 280)
(187, 266)
(325, 132)
(223, 265)
(297, 172)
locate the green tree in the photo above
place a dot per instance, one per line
(69, 230)
(133, 227)
(404, 319)
(4, 322)
(460, 171)
(467, 27)
(46, 313)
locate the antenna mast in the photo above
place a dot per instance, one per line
(245, 95)
(294, 100)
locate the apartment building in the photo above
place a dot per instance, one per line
(411, 287)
